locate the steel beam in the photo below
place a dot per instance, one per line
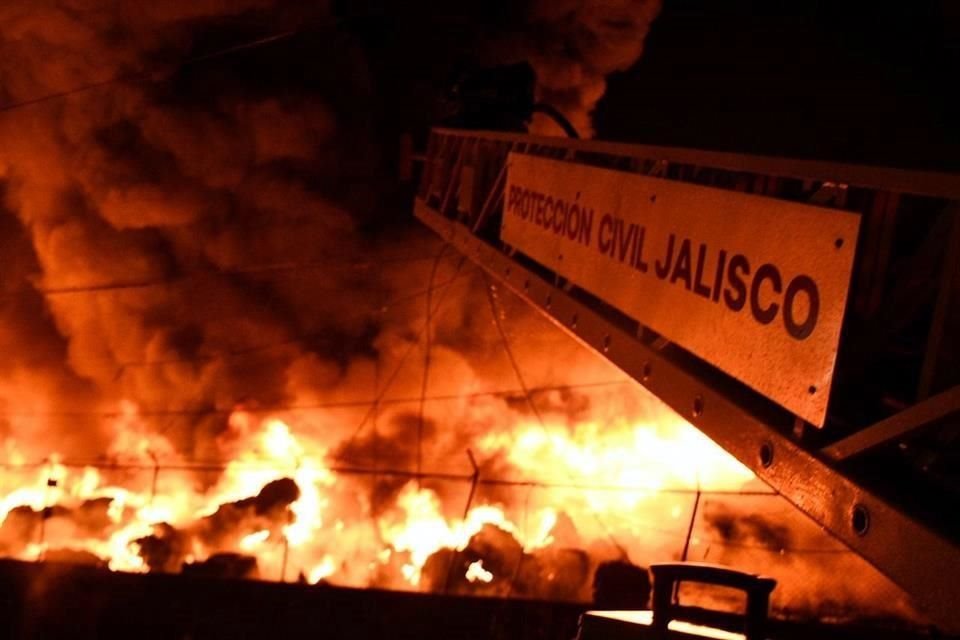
(896, 426)
(923, 183)
(924, 564)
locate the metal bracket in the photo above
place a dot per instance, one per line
(898, 425)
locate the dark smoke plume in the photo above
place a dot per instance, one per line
(189, 195)
(573, 46)
(196, 185)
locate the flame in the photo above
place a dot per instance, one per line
(327, 528)
(326, 568)
(549, 503)
(422, 531)
(251, 541)
(644, 456)
(476, 572)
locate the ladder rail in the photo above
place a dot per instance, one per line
(753, 429)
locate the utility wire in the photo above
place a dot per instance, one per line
(221, 465)
(427, 331)
(396, 371)
(122, 367)
(150, 75)
(294, 408)
(494, 310)
(774, 550)
(286, 267)
(268, 346)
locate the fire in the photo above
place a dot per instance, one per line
(326, 568)
(476, 572)
(250, 542)
(547, 504)
(279, 500)
(422, 531)
(644, 456)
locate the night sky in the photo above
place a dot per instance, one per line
(863, 82)
(852, 81)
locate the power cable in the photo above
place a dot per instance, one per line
(775, 550)
(519, 375)
(260, 348)
(152, 75)
(557, 116)
(294, 408)
(210, 272)
(373, 406)
(187, 465)
(427, 331)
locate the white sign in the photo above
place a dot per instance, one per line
(753, 285)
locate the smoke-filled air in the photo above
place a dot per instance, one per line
(226, 350)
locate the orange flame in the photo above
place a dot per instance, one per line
(638, 456)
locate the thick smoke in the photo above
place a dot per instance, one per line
(203, 184)
(573, 46)
(197, 194)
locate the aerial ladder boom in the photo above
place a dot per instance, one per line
(804, 315)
